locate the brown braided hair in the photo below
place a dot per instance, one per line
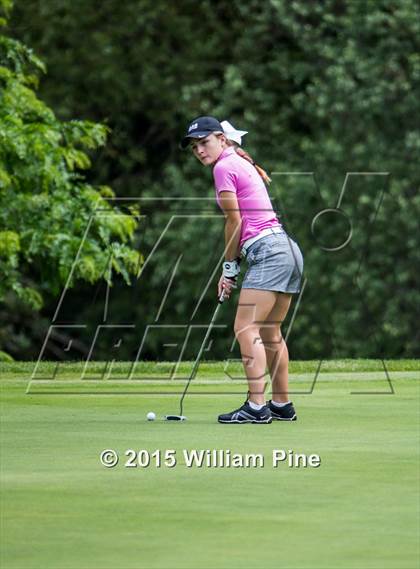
(243, 154)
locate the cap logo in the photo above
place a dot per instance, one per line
(193, 126)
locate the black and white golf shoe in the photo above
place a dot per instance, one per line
(286, 413)
(246, 414)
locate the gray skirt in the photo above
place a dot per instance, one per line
(275, 263)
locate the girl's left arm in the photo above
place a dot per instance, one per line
(230, 207)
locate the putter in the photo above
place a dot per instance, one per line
(182, 417)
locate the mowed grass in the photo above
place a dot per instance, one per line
(61, 509)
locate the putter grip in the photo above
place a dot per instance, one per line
(222, 297)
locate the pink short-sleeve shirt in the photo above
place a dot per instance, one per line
(235, 174)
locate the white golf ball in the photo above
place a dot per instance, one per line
(151, 416)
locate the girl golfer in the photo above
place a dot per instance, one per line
(275, 264)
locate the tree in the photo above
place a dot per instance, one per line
(324, 87)
(46, 204)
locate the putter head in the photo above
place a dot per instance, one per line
(175, 418)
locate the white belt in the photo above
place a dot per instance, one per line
(269, 231)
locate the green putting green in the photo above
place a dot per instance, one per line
(62, 509)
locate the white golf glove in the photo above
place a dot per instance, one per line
(231, 269)
(227, 282)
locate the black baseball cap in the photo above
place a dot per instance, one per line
(200, 128)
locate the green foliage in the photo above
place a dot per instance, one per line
(327, 87)
(46, 205)
(6, 358)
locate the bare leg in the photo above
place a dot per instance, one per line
(276, 349)
(253, 309)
